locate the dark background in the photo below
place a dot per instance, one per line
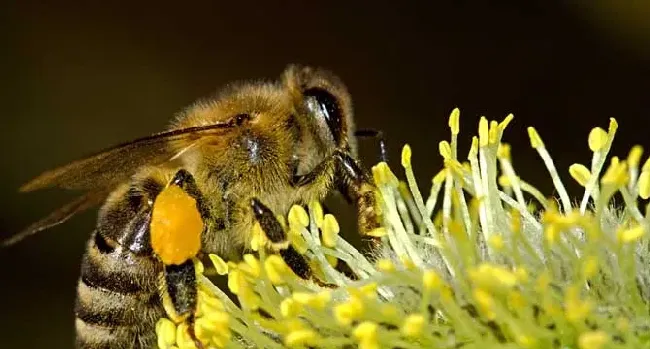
(78, 78)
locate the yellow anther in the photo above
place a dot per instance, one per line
(489, 275)
(183, 339)
(258, 237)
(290, 307)
(496, 242)
(406, 156)
(616, 173)
(634, 157)
(247, 295)
(516, 300)
(445, 150)
(644, 185)
(483, 132)
(407, 262)
(219, 320)
(589, 266)
(575, 309)
(440, 176)
(253, 264)
(332, 260)
(198, 266)
(551, 233)
(515, 221)
(385, 265)
(330, 231)
(504, 181)
(593, 340)
(485, 302)
(166, 332)
(501, 274)
(542, 282)
(503, 124)
(297, 239)
(454, 121)
(521, 274)
(366, 334)
(631, 234)
(526, 341)
(220, 340)
(389, 311)
(317, 213)
(377, 232)
(613, 126)
(503, 152)
(369, 290)
(298, 216)
(234, 281)
(580, 173)
(403, 189)
(302, 297)
(382, 174)
(493, 132)
(455, 167)
(301, 338)
(413, 325)
(207, 326)
(321, 299)
(276, 269)
(208, 304)
(346, 313)
(473, 150)
(597, 139)
(535, 139)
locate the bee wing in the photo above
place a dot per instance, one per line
(61, 215)
(99, 173)
(114, 165)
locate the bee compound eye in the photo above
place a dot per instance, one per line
(323, 104)
(241, 118)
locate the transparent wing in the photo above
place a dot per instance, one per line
(98, 174)
(117, 164)
(60, 215)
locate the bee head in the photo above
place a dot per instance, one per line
(324, 105)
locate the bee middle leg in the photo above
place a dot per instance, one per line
(180, 287)
(275, 233)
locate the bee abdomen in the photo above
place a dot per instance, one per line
(117, 297)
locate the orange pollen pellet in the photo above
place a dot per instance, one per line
(176, 226)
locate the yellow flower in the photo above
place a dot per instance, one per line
(486, 260)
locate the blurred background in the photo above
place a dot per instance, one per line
(77, 78)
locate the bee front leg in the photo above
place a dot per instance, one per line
(355, 184)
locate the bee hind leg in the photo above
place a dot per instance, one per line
(180, 296)
(179, 280)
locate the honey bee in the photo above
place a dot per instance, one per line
(225, 163)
